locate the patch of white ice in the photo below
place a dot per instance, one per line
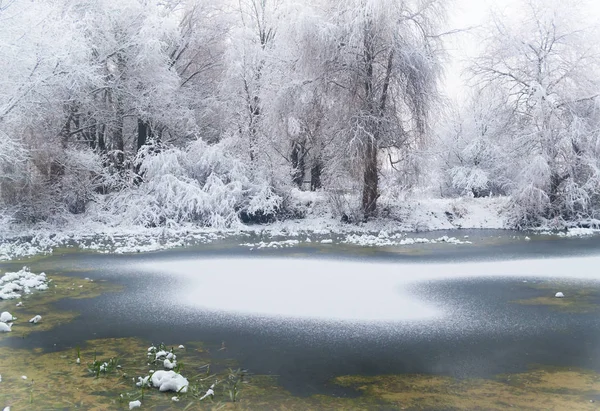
(338, 290)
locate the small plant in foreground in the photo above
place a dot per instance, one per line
(103, 367)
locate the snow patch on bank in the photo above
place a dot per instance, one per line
(414, 215)
(579, 232)
(14, 284)
(383, 240)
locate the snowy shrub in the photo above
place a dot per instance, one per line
(83, 176)
(201, 184)
(527, 206)
(301, 204)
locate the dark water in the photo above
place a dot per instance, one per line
(484, 335)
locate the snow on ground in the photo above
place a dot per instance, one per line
(169, 381)
(24, 281)
(579, 232)
(335, 290)
(383, 239)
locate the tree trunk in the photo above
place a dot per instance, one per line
(298, 166)
(315, 175)
(370, 180)
(118, 145)
(144, 133)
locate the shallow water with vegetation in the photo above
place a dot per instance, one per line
(502, 342)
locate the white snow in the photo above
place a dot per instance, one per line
(340, 290)
(5, 328)
(6, 317)
(23, 281)
(23, 377)
(135, 404)
(272, 244)
(36, 319)
(169, 381)
(143, 382)
(169, 365)
(579, 232)
(397, 240)
(181, 347)
(413, 215)
(209, 392)
(559, 295)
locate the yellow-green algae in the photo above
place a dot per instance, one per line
(541, 389)
(56, 381)
(41, 302)
(578, 298)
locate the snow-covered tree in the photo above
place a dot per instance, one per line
(388, 67)
(474, 146)
(545, 60)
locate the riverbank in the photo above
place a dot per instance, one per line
(422, 222)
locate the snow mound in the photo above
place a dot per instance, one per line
(12, 284)
(6, 317)
(559, 295)
(135, 404)
(169, 381)
(36, 319)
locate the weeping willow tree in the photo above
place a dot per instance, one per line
(388, 66)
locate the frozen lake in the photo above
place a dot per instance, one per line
(312, 314)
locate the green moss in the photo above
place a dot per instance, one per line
(539, 389)
(56, 381)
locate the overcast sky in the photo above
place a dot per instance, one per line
(471, 13)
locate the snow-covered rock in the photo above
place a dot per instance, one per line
(36, 319)
(169, 381)
(5, 328)
(6, 317)
(559, 295)
(135, 404)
